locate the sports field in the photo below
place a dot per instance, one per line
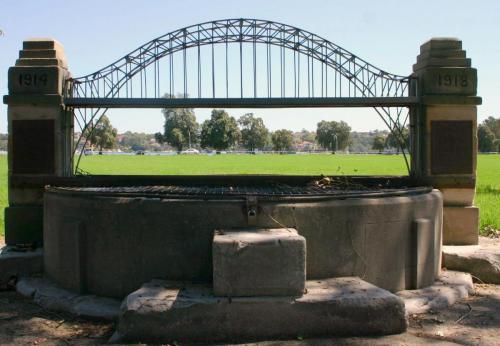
(488, 187)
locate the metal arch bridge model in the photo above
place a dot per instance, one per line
(241, 63)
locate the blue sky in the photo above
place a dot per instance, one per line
(386, 33)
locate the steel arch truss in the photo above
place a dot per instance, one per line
(136, 80)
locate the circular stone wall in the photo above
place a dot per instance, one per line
(110, 244)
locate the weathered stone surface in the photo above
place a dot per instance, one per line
(442, 53)
(441, 62)
(450, 43)
(259, 262)
(423, 256)
(51, 297)
(49, 79)
(159, 312)
(41, 62)
(458, 197)
(14, 264)
(41, 43)
(460, 225)
(482, 261)
(446, 291)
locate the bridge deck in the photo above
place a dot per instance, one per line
(274, 102)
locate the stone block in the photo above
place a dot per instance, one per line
(160, 312)
(15, 264)
(458, 197)
(42, 43)
(441, 62)
(36, 79)
(442, 53)
(482, 261)
(23, 224)
(259, 262)
(449, 288)
(460, 225)
(441, 43)
(42, 54)
(448, 80)
(41, 62)
(51, 297)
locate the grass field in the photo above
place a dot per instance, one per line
(488, 180)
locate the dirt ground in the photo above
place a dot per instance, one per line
(475, 321)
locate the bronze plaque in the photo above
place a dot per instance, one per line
(33, 144)
(451, 147)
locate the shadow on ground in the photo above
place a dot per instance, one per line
(474, 321)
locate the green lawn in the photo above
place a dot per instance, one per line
(488, 180)
(246, 164)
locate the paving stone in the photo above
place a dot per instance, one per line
(161, 312)
(451, 287)
(48, 295)
(259, 262)
(14, 264)
(482, 261)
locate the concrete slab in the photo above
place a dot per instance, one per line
(451, 287)
(259, 262)
(161, 312)
(482, 261)
(15, 263)
(48, 295)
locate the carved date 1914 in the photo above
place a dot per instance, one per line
(453, 80)
(33, 79)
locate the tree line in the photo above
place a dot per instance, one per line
(222, 131)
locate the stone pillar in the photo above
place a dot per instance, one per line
(40, 135)
(445, 134)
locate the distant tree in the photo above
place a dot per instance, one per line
(135, 140)
(282, 140)
(180, 127)
(102, 134)
(253, 132)
(3, 141)
(333, 135)
(494, 125)
(486, 139)
(379, 143)
(309, 136)
(220, 131)
(395, 139)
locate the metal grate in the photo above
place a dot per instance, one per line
(332, 188)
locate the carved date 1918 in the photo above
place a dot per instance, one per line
(449, 80)
(33, 79)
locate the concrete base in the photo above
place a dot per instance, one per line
(159, 312)
(482, 261)
(259, 262)
(371, 238)
(460, 225)
(451, 287)
(51, 297)
(14, 264)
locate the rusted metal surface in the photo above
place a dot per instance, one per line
(451, 147)
(33, 147)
